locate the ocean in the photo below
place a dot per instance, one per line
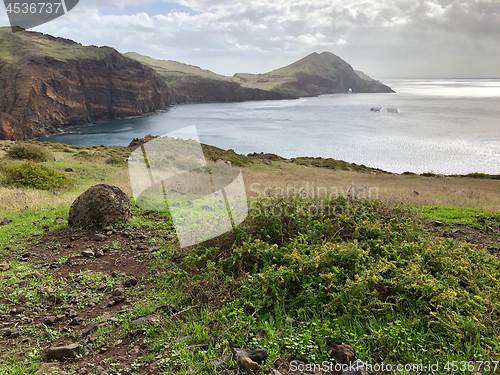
(446, 126)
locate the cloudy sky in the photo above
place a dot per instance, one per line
(384, 38)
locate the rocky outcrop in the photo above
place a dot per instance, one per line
(47, 82)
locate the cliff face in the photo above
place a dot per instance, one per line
(313, 75)
(46, 83)
(191, 84)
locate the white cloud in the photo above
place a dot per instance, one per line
(384, 37)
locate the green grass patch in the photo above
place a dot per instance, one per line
(458, 215)
(26, 151)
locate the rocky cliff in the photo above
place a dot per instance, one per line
(190, 84)
(315, 74)
(47, 82)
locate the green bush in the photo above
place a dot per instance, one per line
(30, 174)
(23, 151)
(115, 160)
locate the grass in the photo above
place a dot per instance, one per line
(307, 268)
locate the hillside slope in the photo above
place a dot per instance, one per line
(315, 74)
(47, 82)
(189, 83)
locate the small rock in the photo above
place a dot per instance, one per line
(5, 221)
(111, 303)
(118, 342)
(69, 169)
(46, 289)
(59, 220)
(275, 372)
(99, 370)
(109, 233)
(70, 313)
(118, 291)
(99, 254)
(438, 223)
(14, 333)
(107, 228)
(50, 320)
(130, 282)
(119, 299)
(148, 318)
(99, 237)
(60, 353)
(190, 370)
(76, 321)
(101, 287)
(88, 253)
(343, 353)
(17, 310)
(248, 364)
(4, 267)
(206, 208)
(257, 355)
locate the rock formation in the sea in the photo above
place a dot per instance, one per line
(47, 82)
(191, 84)
(315, 74)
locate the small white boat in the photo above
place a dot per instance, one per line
(375, 109)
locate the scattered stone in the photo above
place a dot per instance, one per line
(14, 333)
(118, 291)
(190, 370)
(357, 368)
(130, 282)
(111, 303)
(104, 204)
(206, 208)
(55, 300)
(108, 228)
(99, 370)
(343, 353)
(76, 321)
(275, 372)
(147, 319)
(4, 267)
(60, 353)
(438, 223)
(5, 221)
(101, 287)
(118, 342)
(99, 237)
(88, 253)
(256, 355)
(17, 310)
(171, 309)
(50, 320)
(69, 169)
(248, 364)
(70, 313)
(141, 247)
(119, 299)
(109, 233)
(99, 253)
(59, 220)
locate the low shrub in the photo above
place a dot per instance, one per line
(24, 151)
(30, 174)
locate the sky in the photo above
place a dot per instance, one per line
(383, 38)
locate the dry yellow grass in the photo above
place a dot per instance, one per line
(262, 180)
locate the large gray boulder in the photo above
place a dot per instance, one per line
(101, 204)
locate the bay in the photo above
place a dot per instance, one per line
(443, 126)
